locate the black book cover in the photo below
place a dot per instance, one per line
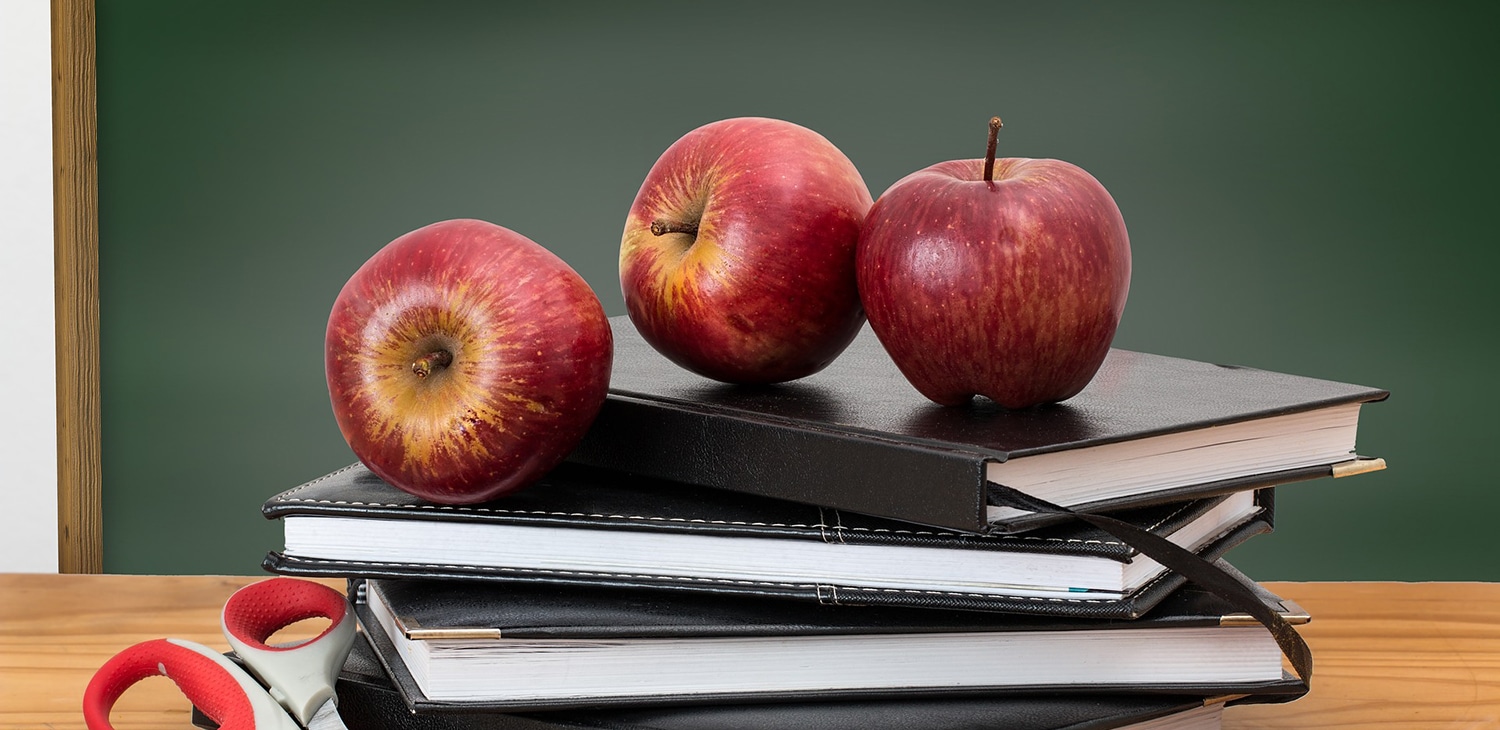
(857, 436)
(446, 610)
(597, 502)
(367, 700)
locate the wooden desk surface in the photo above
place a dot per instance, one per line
(1390, 655)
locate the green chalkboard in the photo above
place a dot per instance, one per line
(1308, 187)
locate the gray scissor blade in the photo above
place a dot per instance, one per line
(326, 718)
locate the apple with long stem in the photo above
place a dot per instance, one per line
(465, 360)
(737, 259)
(1004, 278)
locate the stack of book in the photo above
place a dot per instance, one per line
(838, 552)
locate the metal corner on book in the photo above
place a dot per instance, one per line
(1294, 614)
(1357, 466)
(1290, 612)
(481, 634)
(1239, 620)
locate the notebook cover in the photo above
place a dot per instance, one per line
(1195, 603)
(543, 612)
(575, 497)
(582, 497)
(858, 437)
(367, 700)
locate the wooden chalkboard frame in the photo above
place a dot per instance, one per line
(75, 189)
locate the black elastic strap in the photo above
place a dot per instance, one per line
(1184, 563)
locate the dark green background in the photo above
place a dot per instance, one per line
(1308, 188)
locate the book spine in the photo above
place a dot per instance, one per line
(861, 474)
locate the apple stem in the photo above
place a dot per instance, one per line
(662, 227)
(989, 154)
(436, 359)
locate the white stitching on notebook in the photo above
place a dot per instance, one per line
(286, 497)
(822, 525)
(692, 579)
(1180, 509)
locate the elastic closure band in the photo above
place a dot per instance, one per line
(1184, 563)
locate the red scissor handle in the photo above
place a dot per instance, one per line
(207, 682)
(299, 676)
(259, 610)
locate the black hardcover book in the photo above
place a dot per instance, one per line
(367, 700)
(590, 527)
(856, 436)
(456, 646)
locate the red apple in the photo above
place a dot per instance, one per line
(737, 260)
(464, 361)
(1008, 285)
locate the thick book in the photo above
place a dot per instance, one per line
(591, 527)
(858, 437)
(368, 699)
(457, 645)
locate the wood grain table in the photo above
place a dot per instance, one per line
(1388, 655)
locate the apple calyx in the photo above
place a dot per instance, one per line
(989, 154)
(661, 227)
(437, 359)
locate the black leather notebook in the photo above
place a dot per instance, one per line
(459, 646)
(590, 527)
(857, 436)
(367, 700)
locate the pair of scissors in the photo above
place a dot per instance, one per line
(295, 682)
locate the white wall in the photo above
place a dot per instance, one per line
(28, 411)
